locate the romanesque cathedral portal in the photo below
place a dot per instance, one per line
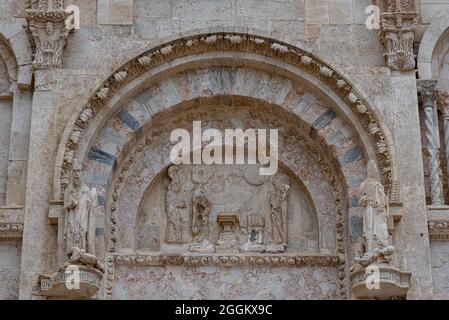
(224, 149)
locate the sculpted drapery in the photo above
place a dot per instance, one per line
(80, 205)
(375, 219)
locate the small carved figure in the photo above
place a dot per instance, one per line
(200, 222)
(375, 219)
(278, 201)
(175, 207)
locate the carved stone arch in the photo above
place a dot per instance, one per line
(373, 132)
(17, 41)
(8, 67)
(8, 85)
(434, 47)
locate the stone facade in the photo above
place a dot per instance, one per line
(90, 92)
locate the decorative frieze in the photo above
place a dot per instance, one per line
(439, 230)
(48, 28)
(398, 23)
(220, 260)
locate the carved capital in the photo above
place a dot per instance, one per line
(427, 91)
(398, 24)
(47, 26)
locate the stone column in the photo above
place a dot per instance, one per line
(426, 88)
(443, 105)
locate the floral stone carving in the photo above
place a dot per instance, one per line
(48, 28)
(398, 24)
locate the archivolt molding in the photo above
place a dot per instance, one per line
(16, 41)
(203, 43)
(9, 62)
(436, 32)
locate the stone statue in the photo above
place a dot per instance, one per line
(200, 222)
(278, 201)
(376, 243)
(80, 206)
(175, 206)
(373, 198)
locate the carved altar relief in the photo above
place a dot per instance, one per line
(225, 209)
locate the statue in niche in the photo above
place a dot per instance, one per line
(277, 241)
(81, 207)
(175, 207)
(372, 197)
(200, 222)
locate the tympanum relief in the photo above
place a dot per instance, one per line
(227, 209)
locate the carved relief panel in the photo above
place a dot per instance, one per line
(228, 209)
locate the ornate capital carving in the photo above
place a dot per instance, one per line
(427, 91)
(48, 28)
(398, 22)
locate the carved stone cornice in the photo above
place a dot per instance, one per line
(47, 26)
(398, 24)
(10, 230)
(439, 230)
(223, 260)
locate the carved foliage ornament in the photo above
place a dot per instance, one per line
(48, 28)
(398, 22)
(246, 43)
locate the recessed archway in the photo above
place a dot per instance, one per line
(332, 119)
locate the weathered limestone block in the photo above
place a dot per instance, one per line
(115, 12)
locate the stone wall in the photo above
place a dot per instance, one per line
(9, 269)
